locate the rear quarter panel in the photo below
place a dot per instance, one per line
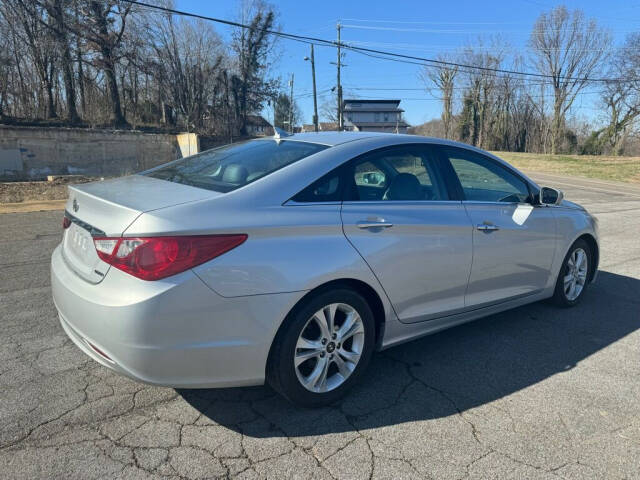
(302, 247)
(289, 247)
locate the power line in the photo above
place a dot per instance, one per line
(372, 52)
(455, 31)
(428, 23)
(484, 48)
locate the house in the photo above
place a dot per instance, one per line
(373, 116)
(257, 126)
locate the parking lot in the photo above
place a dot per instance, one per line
(536, 392)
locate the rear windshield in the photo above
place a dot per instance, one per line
(229, 167)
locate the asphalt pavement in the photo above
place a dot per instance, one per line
(536, 392)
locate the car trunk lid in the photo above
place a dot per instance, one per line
(107, 208)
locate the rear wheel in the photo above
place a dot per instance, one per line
(574, 275)
(322, 348)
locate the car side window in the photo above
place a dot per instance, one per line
(484, 180)
(326, 189)
(400, 173)
(367, 174)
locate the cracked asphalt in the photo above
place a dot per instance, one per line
(536, 392)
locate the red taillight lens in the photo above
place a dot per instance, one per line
(153, 258)
(66, 223)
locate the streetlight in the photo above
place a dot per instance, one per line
(315, 100)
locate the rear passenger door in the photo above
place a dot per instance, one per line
(513, 240)
(398, 215)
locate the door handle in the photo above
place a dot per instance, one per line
(485, 227)
(381, 224)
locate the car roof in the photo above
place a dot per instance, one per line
(335, 138)
(381, 139)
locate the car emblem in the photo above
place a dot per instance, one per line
(76, 207)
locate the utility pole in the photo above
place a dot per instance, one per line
(291, 106)
(338, 26)
(315, 98)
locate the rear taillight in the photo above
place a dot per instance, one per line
(153, 258)
(66, 223)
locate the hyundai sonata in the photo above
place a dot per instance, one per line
(292, 259)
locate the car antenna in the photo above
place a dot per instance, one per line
(278, 133)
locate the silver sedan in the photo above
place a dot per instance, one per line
(292, 259)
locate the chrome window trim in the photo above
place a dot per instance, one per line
(487, 202)
(402, 202)
(293, 203)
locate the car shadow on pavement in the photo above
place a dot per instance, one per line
(447, 373)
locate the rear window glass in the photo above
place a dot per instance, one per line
(229, 167)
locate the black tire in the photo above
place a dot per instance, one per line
(281, 371)
(559, 296)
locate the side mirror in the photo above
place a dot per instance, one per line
(550, 196)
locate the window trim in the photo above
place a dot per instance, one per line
(458, 190)
(442, 167)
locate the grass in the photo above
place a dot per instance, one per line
(621, 169)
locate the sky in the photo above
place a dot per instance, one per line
(422, 28)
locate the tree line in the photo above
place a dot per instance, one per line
(110, 62)
(571, 56)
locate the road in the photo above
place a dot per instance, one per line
(536, 392)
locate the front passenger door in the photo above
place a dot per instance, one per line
(513, 241)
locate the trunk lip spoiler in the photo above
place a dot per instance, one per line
(95, 232)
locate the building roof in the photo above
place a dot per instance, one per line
(362, 100)
(348, 108)
(380, 124)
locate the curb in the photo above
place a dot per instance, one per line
(32, 206)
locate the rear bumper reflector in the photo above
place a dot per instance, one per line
(98, 351)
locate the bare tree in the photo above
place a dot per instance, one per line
(621, 96)
(58, 13)
(28, 26)
(249, 86)
(442, 80)
(328, 111)
(568, 49)
(189, 58)
(102, 24)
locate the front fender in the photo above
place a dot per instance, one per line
(572, 224)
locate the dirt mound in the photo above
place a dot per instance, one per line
(15, 192)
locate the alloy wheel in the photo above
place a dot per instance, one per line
(575, 274)
(329, 347)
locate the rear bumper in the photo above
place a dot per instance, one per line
(175, 332)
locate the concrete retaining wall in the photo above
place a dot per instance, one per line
(32, 153)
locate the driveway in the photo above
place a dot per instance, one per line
(536, 392)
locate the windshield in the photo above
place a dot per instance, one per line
(229, 167)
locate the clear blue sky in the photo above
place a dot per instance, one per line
(423, 28)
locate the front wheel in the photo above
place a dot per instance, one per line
(574, 275)
(322, 348)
